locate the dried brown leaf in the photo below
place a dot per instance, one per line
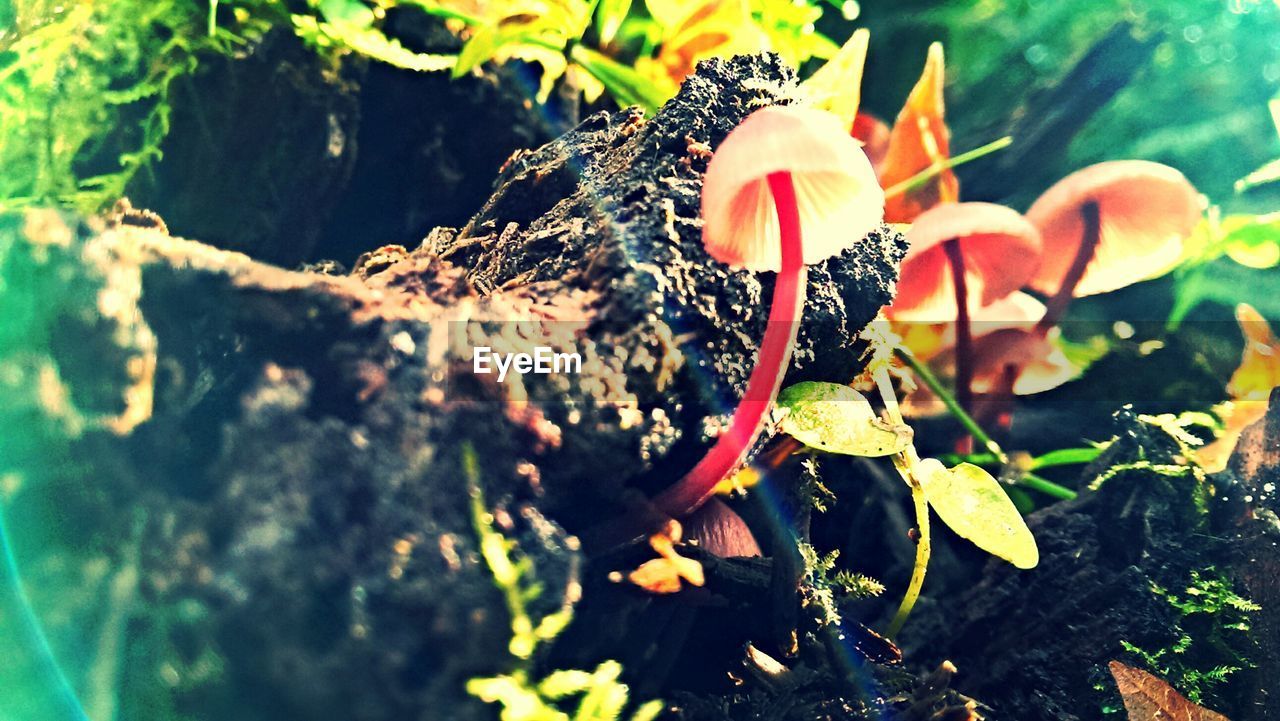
(1147, 698)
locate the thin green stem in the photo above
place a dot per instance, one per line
(1065, 457)
(924, 176)
(922, 559)
(213, 18)
(977, 459)
(906, 463)
(924, 374)
(1052, 459)
(1049, 488)
(996, 453)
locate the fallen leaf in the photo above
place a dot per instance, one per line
(1259, 369)
(1236, 417)
(919, 140)
(1147, 698)
(1249, 387)
(664, 574)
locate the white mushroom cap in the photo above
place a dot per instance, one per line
(839, 198)
(1000, 249)
(1147, 210)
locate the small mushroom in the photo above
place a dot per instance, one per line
(720, 530)
(1019, 361)
(787, 188)
(1110, 225)
(964, 255)
(927, 340)
(936, 341)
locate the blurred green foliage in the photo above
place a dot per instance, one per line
(1200, 105)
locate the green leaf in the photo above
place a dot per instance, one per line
(1253, 241)
(626, 85)
(478, 49)
(837, 419)
(609, 17)
(349, 12)
(972, 503)
(1227, 283)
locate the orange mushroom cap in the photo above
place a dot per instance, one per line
(839, 198)
(874, 134)
(1000, 251)
(1146, 209)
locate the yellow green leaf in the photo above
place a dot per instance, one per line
(837, 419)
(1259, 369)
(973, 504)
(837, 86)
(478, 49)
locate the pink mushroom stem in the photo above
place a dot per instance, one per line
(964, 333)
(775, 355)
(1057, 305)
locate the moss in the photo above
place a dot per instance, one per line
(592, 695)
(1210, 633)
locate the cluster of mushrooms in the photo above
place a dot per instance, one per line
(795, 185)
(1097, 230)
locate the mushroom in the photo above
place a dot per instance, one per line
(1110, 225)
(720, 530)
(928, 339)
(964, 255)
(1019, 361)
(936, 342)
(783, 169)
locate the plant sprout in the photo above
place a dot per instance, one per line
(967, 498)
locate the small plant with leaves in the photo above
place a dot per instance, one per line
(838, 419)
